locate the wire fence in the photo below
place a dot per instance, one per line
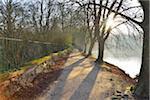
(30, 41)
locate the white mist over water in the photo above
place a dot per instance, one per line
(131, 64)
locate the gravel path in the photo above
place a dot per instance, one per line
(81, 79)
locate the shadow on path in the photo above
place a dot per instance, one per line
(57, 92)
(85, 88)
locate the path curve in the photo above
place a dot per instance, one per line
(81, 79)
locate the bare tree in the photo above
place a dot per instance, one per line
(142, 89)
(102, 11)
(11, 11)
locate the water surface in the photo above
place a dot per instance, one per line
(127, 59)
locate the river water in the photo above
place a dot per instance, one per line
(126, 58)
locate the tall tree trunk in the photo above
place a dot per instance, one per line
(101, 51)
(142, 89)
(48, 15)
(85, 45)
(91, 47)
(41, 16)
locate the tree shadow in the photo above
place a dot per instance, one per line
(56, 93)
(85, 88)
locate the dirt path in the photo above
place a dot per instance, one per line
(82, 79)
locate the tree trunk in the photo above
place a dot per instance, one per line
(101, 51)
(85, 45)
(142, 89)
(91, 47)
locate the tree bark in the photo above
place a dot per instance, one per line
(142, 89)
(101, 51)
(91, 46)
(41, 16)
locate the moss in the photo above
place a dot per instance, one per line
(114, 98)
(59, 54)
(4, 76)
(55, 54)
(40, 60)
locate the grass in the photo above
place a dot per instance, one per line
(40, 60)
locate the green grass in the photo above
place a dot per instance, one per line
(40, 60)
